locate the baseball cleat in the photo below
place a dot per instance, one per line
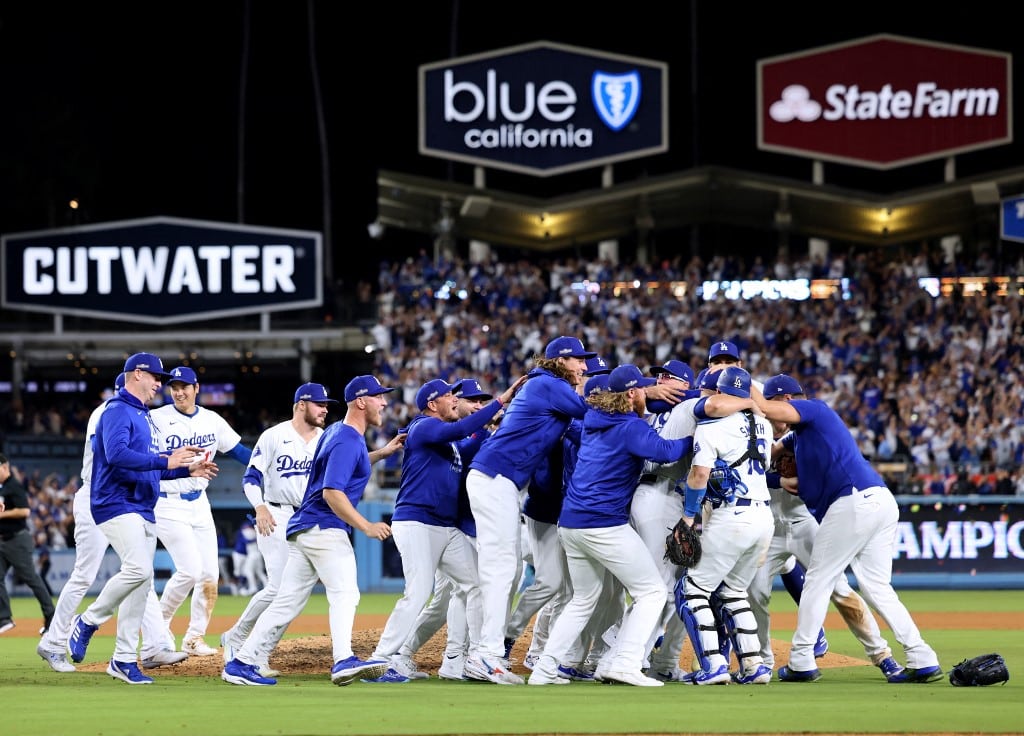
(238, 672)
(403, 663)
(58, 661)
(717, 676)
(227, 647)
(574, 673)
(129, 672)
(161, 658)
(391, 675)
(346, 671)
(891, 668)
(478, 668)
(821, 645)
(196, 646)
(530, 661)
(788, 675)
(6, 625)
(760, 675)
(542, 678)
(625, 677)
(918, 675)
(266, 670)
(81, 634)
(673, 675)
(453, 667)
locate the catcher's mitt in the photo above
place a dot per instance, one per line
(985, 669)
(682, 545)
(785, 464)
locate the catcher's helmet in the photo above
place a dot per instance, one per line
(734, 381)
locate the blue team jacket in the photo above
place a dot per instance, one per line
(533, 423)
(432, 466)
(612, 453)
(126, 464)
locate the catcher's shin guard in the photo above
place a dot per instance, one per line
(742, 625)
(695, 611)
(726, 625)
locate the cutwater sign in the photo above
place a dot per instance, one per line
(161, 270)
(543, 108)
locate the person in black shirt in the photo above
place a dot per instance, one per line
(16, 547)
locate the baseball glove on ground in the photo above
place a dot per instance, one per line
(682, 545)
(985, 669)
(785, 464)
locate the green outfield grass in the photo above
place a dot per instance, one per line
(856, 699)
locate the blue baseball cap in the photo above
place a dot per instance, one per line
(567, 347)
(470, 388)
(364, 386)
(626, 377)
(675, 368)
(119, 382)
(314, 392)
(708, 381)
(780, 385)
(147, 362)
(596, 384)
(596, 366)
(734, 381)
(723, 348)
(184, 374)
(432, 390)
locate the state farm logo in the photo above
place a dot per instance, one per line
(884, 101)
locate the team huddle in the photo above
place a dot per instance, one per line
(577, 470)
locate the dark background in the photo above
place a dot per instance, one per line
(134, 108)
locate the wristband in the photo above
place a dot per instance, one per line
(773, 479)
(694, 498)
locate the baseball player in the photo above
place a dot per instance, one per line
(735, 537)
(533, 423)
(595, 532)
(319, 544)
(274, 484)
(789, 553)
(127, 469)
(858, 519)
(550, 591)
(447, 604)
(426, 511)
(90, 546)
(184, 519)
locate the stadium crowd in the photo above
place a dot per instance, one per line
(935, 383)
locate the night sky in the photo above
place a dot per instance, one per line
(133, 108)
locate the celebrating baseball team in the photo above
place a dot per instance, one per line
(548, 502)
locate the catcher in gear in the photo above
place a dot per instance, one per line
(985, 669)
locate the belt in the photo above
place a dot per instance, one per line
(189, 496)
(650, 478)
(277, 505)
(750, 502)
(851, 490)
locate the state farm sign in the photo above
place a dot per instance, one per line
(884, 101)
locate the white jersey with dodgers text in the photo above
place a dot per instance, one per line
(726, 438)
(206, 429)
(284, 459)
(675, 424)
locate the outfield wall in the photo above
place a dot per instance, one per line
(953, 542)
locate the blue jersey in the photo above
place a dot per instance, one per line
(432, 467)
(828, 462)
(342, 462)
(532, 425)
(612, 452)
(126, 463)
